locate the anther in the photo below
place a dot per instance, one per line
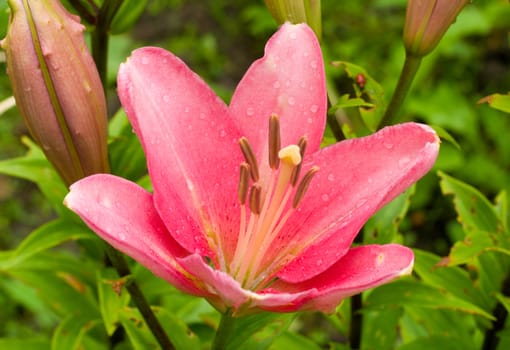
(274, 141)
(244, 182)
(255, 193)
(297, 170)
(249, 156)
(303, 186)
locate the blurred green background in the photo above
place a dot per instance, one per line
(219, 40)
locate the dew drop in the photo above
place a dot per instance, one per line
(314, 108)
(202, 116)
(186, 110)
(313, 64)
(403, 162)
(325, 197)
(292, 101)
(145, 60)
(331, 177)
(309, 120)
(388, 145)
(319, 262)
(292, 35)
(166, 98)
(223, 133)
(250, 111)
(276, 84)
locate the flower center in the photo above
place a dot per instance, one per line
(266, 205)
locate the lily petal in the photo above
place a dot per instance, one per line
(361, 268)
(123, 214)
(191, 145)
(356, 178)
(288, 81)
(232, 295)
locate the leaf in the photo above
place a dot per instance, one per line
(484, 229)
(498, 101)
(127, 15)
(371, 92)
(443, 342)
(289, 340)
(70, 332)
(47, 236)
(35, 167)
(417, 294)
(141, 337)
(257, 332)
(383, 226)
(111, 301)
(445, 135)
(453, 279)
(473, 209)
(380, 328)
(38, 343)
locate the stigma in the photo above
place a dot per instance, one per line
(266, 204)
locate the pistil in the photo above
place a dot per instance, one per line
(270, 206)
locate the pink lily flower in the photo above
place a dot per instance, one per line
(247, 211)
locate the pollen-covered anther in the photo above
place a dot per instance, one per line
(274, 141)
(250, 158)
(244, 182)
(303, 186)
(255, 204)
(297, 170)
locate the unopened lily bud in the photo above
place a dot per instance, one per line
(426, 23)
(57, 87)
(297, 11)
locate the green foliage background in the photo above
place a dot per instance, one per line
(219, 39)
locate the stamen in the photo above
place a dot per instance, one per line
(274, 141)
(249, 156)
(244, 182)
(297, 170)
(255, 199)
(303, 186)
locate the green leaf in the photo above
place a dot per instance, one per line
(453, 279)
(70, 332)
(417, 294)
(126, 153)
(383, 226)
(35, 167)
(371, 92)
(445, 135)
(24, 343)
(485, 231)
(498, 101)
(127, 15)
(443, 342)
(380, 328)
(47, 236)
(475, 212)
(141, 337)
(111, 301)
(294, 341)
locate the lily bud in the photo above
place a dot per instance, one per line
(426, 23)
(57, 87)
(297, 11)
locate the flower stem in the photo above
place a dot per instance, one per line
(100, 37)
(411, 65)
(356, 321)
(119, 263)
(224, 330)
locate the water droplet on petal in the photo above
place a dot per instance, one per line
(250, 111)
(319, 262)
(292, 35)
(223, 133)
(166, 98)
(313, 64)
(202, 116)
(291, 101)
(309, 120)
(314, 108)
(325, 197)
(388, 145)
(403, 162)
(145, 60)
(331, 177)
(276, 84)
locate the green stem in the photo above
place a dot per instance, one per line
(356, 321)
(120, 264)
(100, 37)
(224, 331)
(411, 65)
